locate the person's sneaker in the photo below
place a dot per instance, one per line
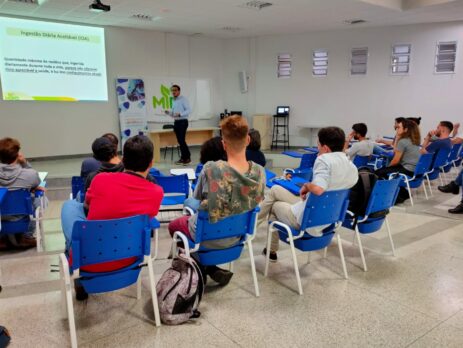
(26, 243)
(219, 275)
(457, 210)
(450, 188)
(179, 162)
(186, 162)
(81, 294)
(273, 255)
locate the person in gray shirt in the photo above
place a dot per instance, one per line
(363, 146)
(406, 154)
(16, 173)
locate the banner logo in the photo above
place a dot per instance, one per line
(165, 101)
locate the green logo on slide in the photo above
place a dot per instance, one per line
(165, 101)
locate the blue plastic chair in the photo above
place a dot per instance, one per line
(198, 169)
(78, 188)
(361, 161)
(382, 197)
(99, 241)
(176, 190)
(328, 209)
(19, 202)
(305, 166)
(242, 226)
(439, 161)
(415, 181)
(269, 176)
(452, 160)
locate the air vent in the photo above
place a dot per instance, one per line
(256, 5)
(231, 29)
(354, 21)
(145, 17)
(29, 2)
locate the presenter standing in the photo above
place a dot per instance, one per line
(180, 112)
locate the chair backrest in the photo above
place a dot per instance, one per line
(77, 185)
(454, 152)
(307, 160)
(198, 169)
(383, 195)
(17, 202)
(155, 172)
(326, 209)
(424, 164)
(440, 158)
(232, 226)
(97, 241)
(269, 175)
(361, 161)
(174, 183)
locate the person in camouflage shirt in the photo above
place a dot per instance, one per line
(226, 188)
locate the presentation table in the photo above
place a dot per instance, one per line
(166, 137)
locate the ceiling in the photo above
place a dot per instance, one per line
(209, 17)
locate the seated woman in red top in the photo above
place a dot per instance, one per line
(140, 197)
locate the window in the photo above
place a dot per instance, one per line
(400, 60)
(284, 66)
(445, 57)
(320, 63)
(359, 60)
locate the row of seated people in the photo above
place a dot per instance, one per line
(406, 147)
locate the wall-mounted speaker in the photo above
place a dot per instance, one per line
(243, 77)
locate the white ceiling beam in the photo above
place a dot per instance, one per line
(414, 4)
(391, 4)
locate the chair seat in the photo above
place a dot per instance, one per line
(99, 282)
(173, 200)
(307, 242)
(369, 226)
(18, 226)
(415, 183)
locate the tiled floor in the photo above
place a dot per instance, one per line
(412, 300)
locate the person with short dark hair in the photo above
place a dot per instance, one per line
(438, 139)
(212, 150)
(332, 171)
(117, 195)
(91, 164)
(16, 173)
(106, 153)
(180, 112)
(253, 152)
(363, 147)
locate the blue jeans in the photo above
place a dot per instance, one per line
(71, 212)
(192, 203)
(459, 179)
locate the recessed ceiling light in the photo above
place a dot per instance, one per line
(231, 29)
(145, 17)
(29, 2)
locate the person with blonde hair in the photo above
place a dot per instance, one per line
(225, 188)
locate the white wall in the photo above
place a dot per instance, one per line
(52, 129)
(340, 99)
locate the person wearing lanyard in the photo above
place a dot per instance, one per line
(180, 112)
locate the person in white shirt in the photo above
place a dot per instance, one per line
(332, 171)
(363, 146)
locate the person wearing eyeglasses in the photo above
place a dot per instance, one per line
(180, 112)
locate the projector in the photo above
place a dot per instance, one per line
(97, 6)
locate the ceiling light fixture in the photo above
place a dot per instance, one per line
(355, 21)
(97, 6)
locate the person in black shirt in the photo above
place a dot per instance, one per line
(253, 152)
